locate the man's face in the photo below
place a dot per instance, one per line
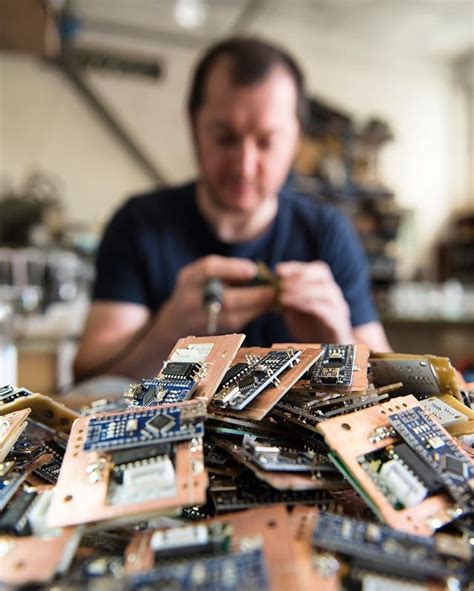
(245, 137)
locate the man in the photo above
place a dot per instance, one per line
(246, 109)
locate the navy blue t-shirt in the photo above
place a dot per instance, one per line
(152, 236)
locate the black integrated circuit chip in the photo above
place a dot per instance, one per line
(180, 369)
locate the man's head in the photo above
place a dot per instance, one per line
(246, 107)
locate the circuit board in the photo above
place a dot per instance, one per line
(248, 492)
(203, 360)
(244, 381)
(44, 409)
(315, 476)
(354, 438)
(380, 548)
(421, 375)
(438, 449)
(138, 427)
(26, 541)
(154, 391)
(262, 404)
(124, 481)
(334, 368)
(11, 427)
(455, 416)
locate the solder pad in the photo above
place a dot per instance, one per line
(348, 436)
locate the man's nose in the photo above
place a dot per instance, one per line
(248, 158)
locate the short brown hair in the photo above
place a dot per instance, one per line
(252, 61)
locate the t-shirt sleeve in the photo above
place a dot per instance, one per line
(342, 250)
(119, 271)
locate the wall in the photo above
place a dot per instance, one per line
(44, 123)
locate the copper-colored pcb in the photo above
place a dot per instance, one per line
(44, 410)
(33, 560)
(80, 497)
(266, 400)
(224, 349)
(12, 426)
(348, 436)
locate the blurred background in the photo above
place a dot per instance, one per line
(92, 96)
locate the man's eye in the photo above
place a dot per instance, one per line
(225, 140)
(265, 144)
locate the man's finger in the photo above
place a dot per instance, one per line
(259, 299)
(227, 269)
(311, 270)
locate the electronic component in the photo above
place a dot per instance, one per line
(44, 409)
(455, 416)
(11, 427)
(282, 474)
(421, 375)
(137, 427)
(13, 520)
(283, 459)
(376, 547)
(209, 357)
(132, 471)
(437, 448)
(259, 373)
(360, 443)
(246, 387)
(334, 367)
(247, 491)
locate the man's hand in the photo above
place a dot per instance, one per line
(312, 303)
(240, 304)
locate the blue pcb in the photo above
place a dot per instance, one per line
(229, 572)
(383, 548)
(9, 484)
(434, 446)
(141, 427)
(166, 390)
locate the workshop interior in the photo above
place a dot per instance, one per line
(301, 465)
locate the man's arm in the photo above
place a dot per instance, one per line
(373, 335)
(125, 339)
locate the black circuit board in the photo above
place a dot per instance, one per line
(334, 368)
(142, 427)
(278, 458)
(177, 384)
(311, 411)
(378, 547)
(243, 382)
(154, 391)
(13, 520)
(233, 572)
(435, 447)
(247, 491)
(39, 441)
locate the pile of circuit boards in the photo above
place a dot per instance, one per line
(312, 466)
